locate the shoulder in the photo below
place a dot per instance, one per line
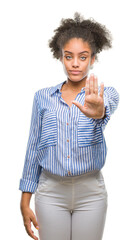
(110, 91)
(48, 91)
(43, 96)
(43, 92)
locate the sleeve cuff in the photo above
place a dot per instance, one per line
(27, 186)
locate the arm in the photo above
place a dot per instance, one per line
(32, 169)
(111, 100)
(27, 214)
(25, 199)
(98, 106)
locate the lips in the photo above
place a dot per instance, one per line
(75, 72)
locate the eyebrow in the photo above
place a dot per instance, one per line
(79, 53)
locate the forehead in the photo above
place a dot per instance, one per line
(76, 45)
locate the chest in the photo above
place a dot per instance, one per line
(68, 97)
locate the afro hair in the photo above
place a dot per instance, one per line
(96, 34)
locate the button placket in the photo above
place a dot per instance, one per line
(68, 145)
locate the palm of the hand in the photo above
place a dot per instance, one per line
(93, 103)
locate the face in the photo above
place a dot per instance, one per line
(76, 59)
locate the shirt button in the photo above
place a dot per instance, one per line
(67, 140)
(68, 156)
(67, 123)
(69, 172)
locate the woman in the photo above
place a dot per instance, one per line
(66, 147)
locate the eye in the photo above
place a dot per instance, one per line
(83, 58)
(68, 57)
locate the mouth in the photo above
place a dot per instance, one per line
(75, 72)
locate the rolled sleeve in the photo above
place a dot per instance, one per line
(32, 169)
(27, 186)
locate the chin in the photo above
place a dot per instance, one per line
(76, 78)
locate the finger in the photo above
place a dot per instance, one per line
(91, 84)
(30, 232)
(35, 223)
(102, 90)
(79, 105)
(87, 87)
(96, 86)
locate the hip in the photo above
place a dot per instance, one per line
(91, 183)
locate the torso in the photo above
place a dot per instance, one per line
(68, 95)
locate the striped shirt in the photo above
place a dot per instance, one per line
(62, 139)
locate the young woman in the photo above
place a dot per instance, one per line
(66, 147)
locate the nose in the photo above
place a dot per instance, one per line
(75, 62)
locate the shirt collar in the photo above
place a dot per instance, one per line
(58, 87)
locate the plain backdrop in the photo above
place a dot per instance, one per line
(27, 65)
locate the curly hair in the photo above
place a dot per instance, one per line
(96, 34)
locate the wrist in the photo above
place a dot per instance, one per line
(25, 200)
(24, 206)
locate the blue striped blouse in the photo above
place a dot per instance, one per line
(62, 139)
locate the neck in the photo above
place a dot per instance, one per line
(75, 86)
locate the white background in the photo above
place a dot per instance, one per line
(27, 65)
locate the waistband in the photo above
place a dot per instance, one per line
(45, 173)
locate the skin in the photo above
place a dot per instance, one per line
(28, 215)
(76, 55)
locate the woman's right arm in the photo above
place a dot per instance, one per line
(31, 170)
(27, 213)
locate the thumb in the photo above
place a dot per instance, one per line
(33, 218)
(78, 105)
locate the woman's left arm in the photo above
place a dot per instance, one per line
(111, 101)
(98, 106)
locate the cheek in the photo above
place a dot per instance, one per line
(87, 67)
(64, 64)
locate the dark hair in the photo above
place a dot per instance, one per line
(96, 34)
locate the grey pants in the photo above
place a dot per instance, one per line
(71, 208)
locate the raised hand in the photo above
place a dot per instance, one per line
(94, 103)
